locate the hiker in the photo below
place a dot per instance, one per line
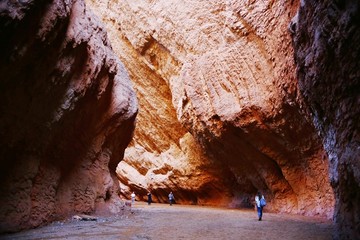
(260, 204)
(171, 198)
(149, 198)
(132, 198)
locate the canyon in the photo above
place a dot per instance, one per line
(227, 94)
(213, 101)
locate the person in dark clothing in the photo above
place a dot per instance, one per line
(149, 198)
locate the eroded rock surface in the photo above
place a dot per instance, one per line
(326, 41)
(66, 115)
(222, 71)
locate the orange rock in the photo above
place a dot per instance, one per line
(223, 72)
(67, 114)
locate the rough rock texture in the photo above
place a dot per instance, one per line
(67, 113)
(225, 71)
(194, 178)
(326, 41)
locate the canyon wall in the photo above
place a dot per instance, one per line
(327, 49)
(220, 112)
(67, 113)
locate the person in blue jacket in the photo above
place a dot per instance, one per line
(171, 198)
(260, 203)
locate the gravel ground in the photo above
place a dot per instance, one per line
(161, 221)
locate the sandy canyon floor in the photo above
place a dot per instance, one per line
(161, 221)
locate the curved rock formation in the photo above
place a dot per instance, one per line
(221, 115)
(326, 41)
(67, 113)
(227, 68)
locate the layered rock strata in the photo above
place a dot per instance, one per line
(67, 113)
(224, 70)
(326, 40)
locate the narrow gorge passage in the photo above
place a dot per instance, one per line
(211, 100)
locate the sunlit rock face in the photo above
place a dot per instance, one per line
(223, 72)
(66, 115)
(326, 41)
(192, 177)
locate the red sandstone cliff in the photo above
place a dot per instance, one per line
(327, 49)
(217, 77)
(220, 111)
(67, 113)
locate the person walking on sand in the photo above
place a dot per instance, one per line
(132, 198)
(171, 198)
(260, 204)
(149, 198)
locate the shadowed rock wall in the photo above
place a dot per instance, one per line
(220, 75)
(67, 113)
(327, 50)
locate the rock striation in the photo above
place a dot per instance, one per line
(67, 113)
(326, 39)
(218, 100)
(222, 113)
